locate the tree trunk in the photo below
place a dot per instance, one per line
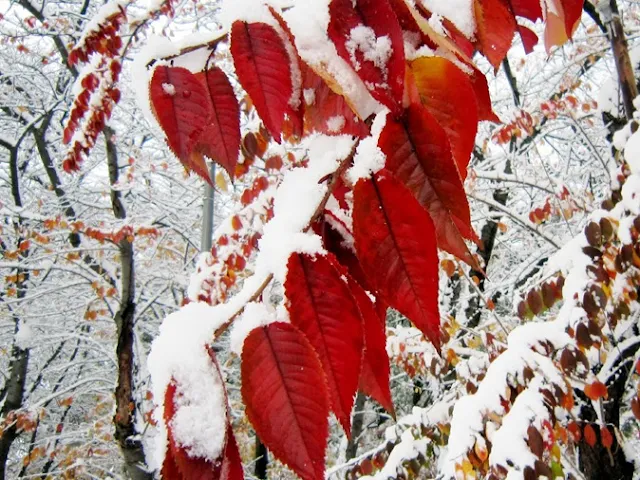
(124, 419)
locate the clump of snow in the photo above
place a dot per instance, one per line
(255, 315)
(460, 12)
(169, 89)
(24, 336)
(297, 198)
(309, 22)
(369, 158)
(632, 152)
(335, 123)
(309, 96)
(247, 10)
(179, 355)
(374, 49)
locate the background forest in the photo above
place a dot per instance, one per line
(538, 374)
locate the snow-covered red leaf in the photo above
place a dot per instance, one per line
(231, 468)
(321, 305)
(220, 139)
(496, 26)
(455, 108)
(264, 71)
(325, 111)
(418, 154)
(374, 378)
(284, 390)
(180, 104)
(179, 463)
(396, 244)
(367, 35)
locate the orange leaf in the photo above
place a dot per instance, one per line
(596, 390)
(605, 437)
(589, 435)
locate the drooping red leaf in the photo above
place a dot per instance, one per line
(454, 108)
(322, 307)
(340, 243)
(257, 49)
(572, 11)
(374, 378)
(496, 26)
(418, 154)
(325, 111)
(231, 468)
(180, 104)
(220, 139)
(605, 436)
(554, 31)
(367, 35)
(529, 39)
(285, 393)
(396, 244)
(483, 99)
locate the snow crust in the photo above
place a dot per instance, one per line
(255, 315)
(369, 158)
(460, 12)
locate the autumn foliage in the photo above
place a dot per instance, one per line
(391, 201)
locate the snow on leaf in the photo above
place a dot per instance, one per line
(396, 244)
(284, 390)
(418, 154)
(455, 109)
(180, 104)
(263, 69)
(322, 307)
(368, 36)
(220, 139)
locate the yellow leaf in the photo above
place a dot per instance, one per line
(221, 181)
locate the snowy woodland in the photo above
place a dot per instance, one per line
(425, 253)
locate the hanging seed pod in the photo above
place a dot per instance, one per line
(594, 234)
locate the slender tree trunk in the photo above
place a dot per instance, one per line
(357, 427)
(124, 419)
(13, 391)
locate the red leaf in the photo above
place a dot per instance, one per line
(284, 390)
(323, 308)
(418, 154)
(572, 11)
(396, 245)
(374, 378)
(496, 27)
(375, 50)
(605, 437)
(231, 468)
(483, 99)
(256, 48)
(322, 104)
(180, 104)
(454, 108)
(527, 8)
(529, 39)
(589, 435)
(220, 139)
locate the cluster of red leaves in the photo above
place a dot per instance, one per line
(295, 373)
